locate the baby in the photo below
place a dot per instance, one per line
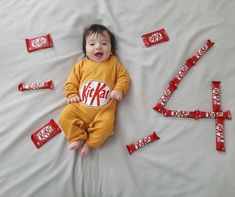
(92, 89)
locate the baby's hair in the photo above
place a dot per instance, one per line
(98, 29)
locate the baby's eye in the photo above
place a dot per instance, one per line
(91, 44)
(104, 43)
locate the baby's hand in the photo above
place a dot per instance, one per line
(116, 95)
(74, 99)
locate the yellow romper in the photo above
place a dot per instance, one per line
(92, 119)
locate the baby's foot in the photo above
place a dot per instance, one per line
(85, 150)
(75, 145)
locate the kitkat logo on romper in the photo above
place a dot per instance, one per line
(95, 93)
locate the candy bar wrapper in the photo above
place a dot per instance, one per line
(45, 133)
(191, 62)
(181, 74)
(35, 86)
(219, 126)
(203, 50)
(219, 114)
(41, 42)
(155, 37)
(216, 96)
(165, 97)
(219, 122)
(196, 114)
(178, 113)
(142, 142)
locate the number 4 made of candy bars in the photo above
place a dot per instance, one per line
(216, 112)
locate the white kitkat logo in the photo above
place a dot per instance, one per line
(95, 93)
(44, 133)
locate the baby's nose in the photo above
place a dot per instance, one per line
(98, 46)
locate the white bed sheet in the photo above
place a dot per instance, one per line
(183, 163)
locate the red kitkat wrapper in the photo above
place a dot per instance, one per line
(155, 37)
(173, 84)
(165, 97)
(41, 42)
(219, 122)
(203, 50)
(142, 142)
(217, 114)
(45, 133)
(177, 113)
(216, 96)
(197, 114)
(35, 86)
(219, 127)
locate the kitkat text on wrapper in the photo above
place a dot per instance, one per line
(142, 142)
(35, 85)
(155, 37)
(45, 133)
(95, 93)
(37, 43)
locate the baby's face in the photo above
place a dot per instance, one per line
(98, 47)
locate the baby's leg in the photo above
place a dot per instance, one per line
(73, 126)
(99, 132)
(76, 144)
(85, 150)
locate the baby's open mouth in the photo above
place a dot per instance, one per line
(99, 55)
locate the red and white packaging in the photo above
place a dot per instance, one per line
(219, 122)
(177, 113)
(190, 62)
(219, 129)
(45, 133)
(217, 114)
(203, 50)
(41, 42)
(173, 84)
(196, 114)
(216, 96)
(165, 97)
(155, 37)
(35, 86)
(142, 142)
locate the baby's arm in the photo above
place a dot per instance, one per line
(122, 83)
(72, 84)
